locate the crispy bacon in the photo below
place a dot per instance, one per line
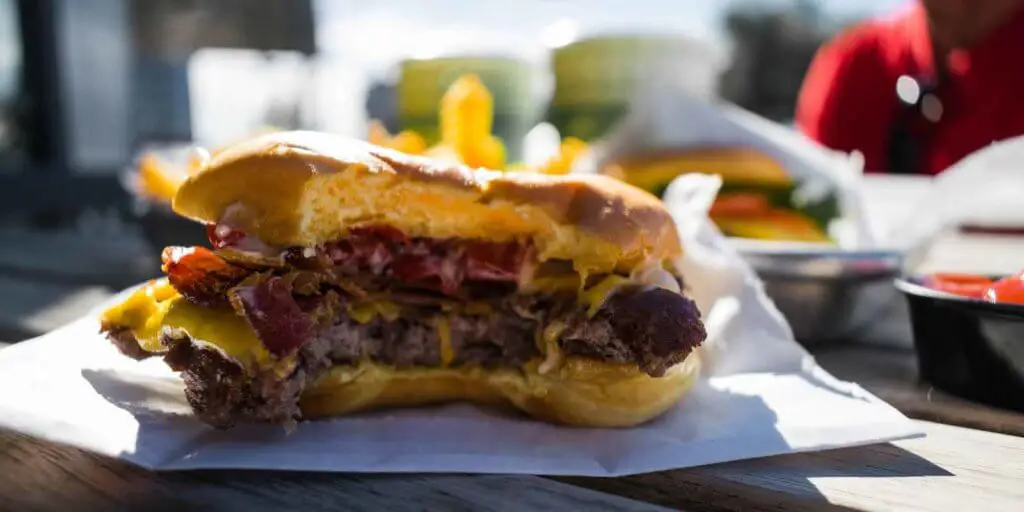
(305, 282)
(441, 273)
(385, 252)
(494, 261)
(277, 319)
(360, 254)
(199, 275)
(306, 258)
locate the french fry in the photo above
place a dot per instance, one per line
(377, 133)
(570, 150)
(467, 112)
(158, 180)
(490, 154)
(467, 116)
(407, 141)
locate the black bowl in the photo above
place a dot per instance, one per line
(968, 347)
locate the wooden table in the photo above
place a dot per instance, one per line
(972, 458)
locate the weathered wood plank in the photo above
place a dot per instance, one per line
(44, 476)
(952, 468)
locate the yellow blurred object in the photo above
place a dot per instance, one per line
(572, 148)
(157, 179)
(197, 159)
(466, 118)
(735, 165)
(377, 134)
(467, 112)
(488, 152)
(466, 115)
(407, 141)
(772, 225)
(520, 167)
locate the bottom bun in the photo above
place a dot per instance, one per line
(582, 392)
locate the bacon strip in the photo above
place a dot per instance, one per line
(276, 318)
(385, 252)
(199, 275)
(494, 261)
(444, 274)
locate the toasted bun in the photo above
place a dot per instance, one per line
(583, 392)
(305, 188)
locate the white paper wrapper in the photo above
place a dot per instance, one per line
(986, 189)
(761, 395)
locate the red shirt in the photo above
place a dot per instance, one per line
(848, 100)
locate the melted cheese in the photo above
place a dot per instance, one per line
(143, 313)
(595, 296)
(157, 305)
(555, 284)
(548, 344)
(478, 308)
(365, 311)
(444, 335)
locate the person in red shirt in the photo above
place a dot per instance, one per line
(918, 91)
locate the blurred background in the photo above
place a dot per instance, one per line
(86, 85)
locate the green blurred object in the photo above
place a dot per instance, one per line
(424, 81)
(596, 78)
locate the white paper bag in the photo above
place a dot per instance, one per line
(985, 188)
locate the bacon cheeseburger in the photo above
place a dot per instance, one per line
(346, 277)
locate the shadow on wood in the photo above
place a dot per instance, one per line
(776, 483)
(39, 475)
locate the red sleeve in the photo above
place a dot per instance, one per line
(844, 103)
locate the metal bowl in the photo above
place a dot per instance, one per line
(825, 292)
(967, 347)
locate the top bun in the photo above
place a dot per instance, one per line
(306, 188)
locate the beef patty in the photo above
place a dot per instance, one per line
(652, 328)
